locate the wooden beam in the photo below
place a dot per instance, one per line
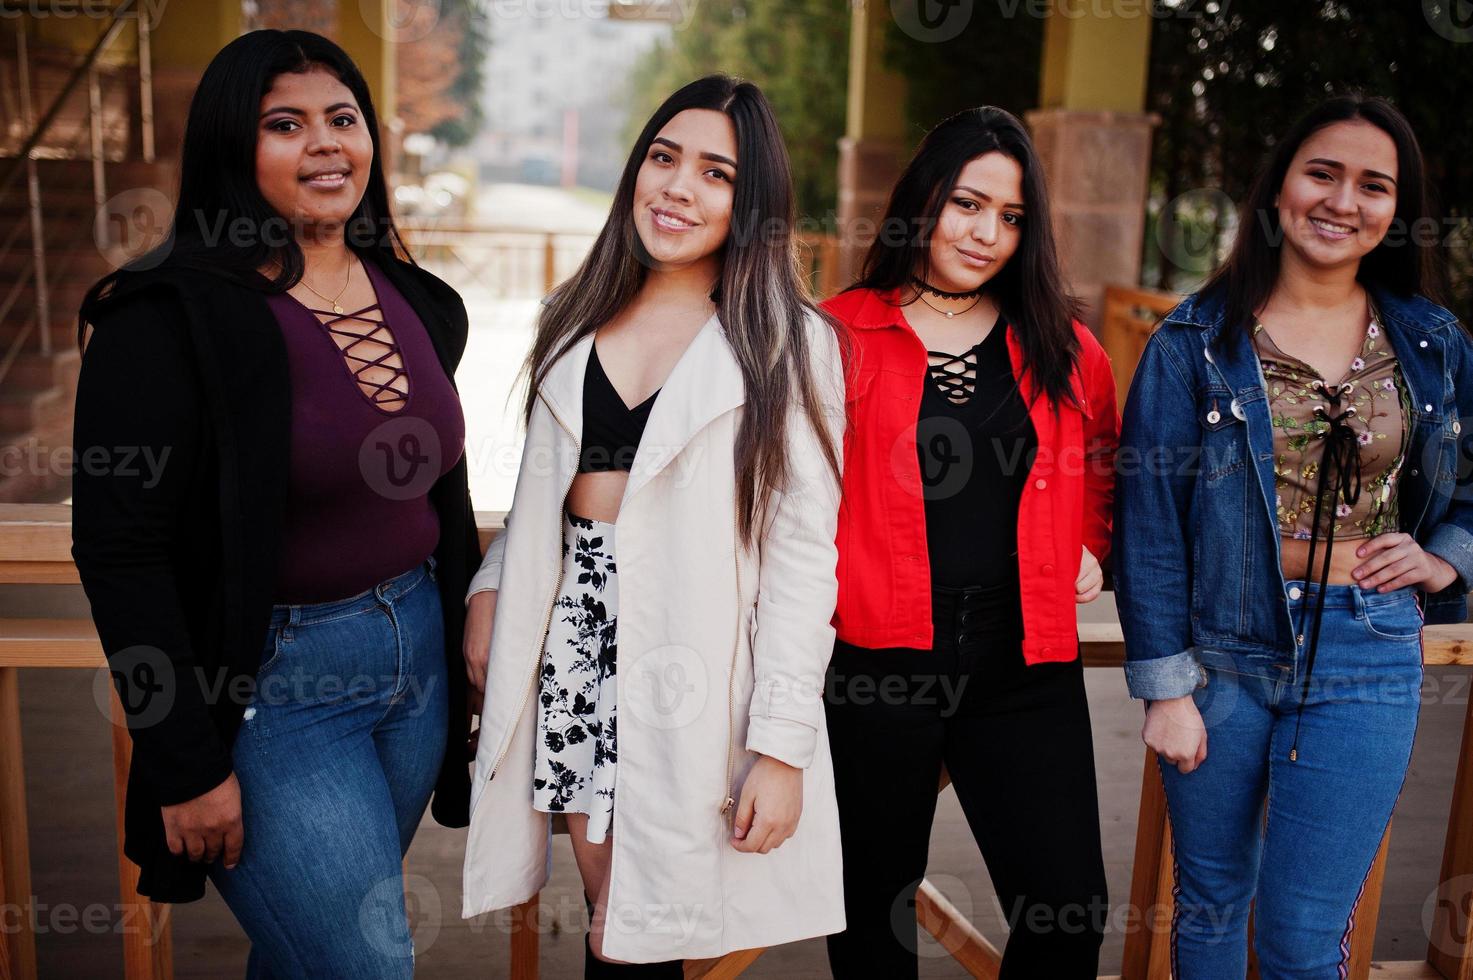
(1450, 951)
(1367, 913)
(50, 643)
(524, 940)
(959, 937)
(148, 943)
(1148, 932)
(74, 643)
(722, 967)
(17, 935)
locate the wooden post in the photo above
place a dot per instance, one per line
(143, 957)
(1450, 952)
(549, 263)
(1150, 884)
(19, 946)
(524, 940)
(5, 971)
(1366, 914)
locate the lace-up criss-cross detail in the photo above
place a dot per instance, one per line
(955, 375)
(368, 344)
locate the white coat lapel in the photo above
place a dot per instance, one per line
(562, 389)
(704, 384)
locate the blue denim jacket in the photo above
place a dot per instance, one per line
(1196, 551)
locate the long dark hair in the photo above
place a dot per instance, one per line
(761, 298)
(1251, 271)
(217, 171)
(1029, 290)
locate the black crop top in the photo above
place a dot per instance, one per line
(976, 445)
(611, 430)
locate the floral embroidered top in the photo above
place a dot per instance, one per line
(1372, 399)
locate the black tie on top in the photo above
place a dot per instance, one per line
(611, 429)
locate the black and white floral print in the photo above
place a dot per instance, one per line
(576, 746)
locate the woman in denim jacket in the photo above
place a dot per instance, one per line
(1281, 536)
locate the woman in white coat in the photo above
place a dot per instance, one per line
(709, 823)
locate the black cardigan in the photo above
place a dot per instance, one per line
(182, 439)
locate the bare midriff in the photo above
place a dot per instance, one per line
(597, 495)
(1294, 560)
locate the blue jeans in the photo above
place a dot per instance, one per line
(337, 757)
(1307, 862)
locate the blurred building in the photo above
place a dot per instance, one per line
(555, 95)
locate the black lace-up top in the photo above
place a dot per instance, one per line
(611, 429)
(976, 445)
(365, 451)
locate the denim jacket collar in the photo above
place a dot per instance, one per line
(1208, 309)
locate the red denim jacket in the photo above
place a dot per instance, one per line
(884, 570)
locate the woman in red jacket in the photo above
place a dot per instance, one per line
(976, 510)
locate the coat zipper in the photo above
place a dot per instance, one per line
(551, 600)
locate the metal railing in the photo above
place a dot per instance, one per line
(33, 147)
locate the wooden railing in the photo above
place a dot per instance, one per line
(1129, 317)
(519, 263)
(35, 548)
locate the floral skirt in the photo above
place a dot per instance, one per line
(573, 771)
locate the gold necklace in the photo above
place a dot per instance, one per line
(334, 300)
(949, 314)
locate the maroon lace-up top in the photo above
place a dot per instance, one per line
(364, 453)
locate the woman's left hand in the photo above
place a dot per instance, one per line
(1395, 560)
(772, 801)
(1091, 579)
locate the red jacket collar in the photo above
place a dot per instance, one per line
(867, 309)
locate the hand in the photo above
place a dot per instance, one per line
(772, 801)
(1091, 579)
(476, 645)
(1395, 560)
(207, 826)
(480, 613)
(1174, 730)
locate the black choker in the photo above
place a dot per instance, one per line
(927, 287)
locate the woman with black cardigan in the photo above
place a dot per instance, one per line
(279, 591)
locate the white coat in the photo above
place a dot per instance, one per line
(721, 654)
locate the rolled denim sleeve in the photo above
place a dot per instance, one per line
(1453, 543)
(1152, 537)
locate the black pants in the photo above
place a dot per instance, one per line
(1016, 742)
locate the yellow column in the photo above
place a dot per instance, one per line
(873, 149)
(186, 35)
(1094, 138)
(368, 31)
(1095, 62)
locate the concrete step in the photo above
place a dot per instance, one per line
(34, 487)
(27, 409)
(35, 465)
(66, 298)
(36, 371)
